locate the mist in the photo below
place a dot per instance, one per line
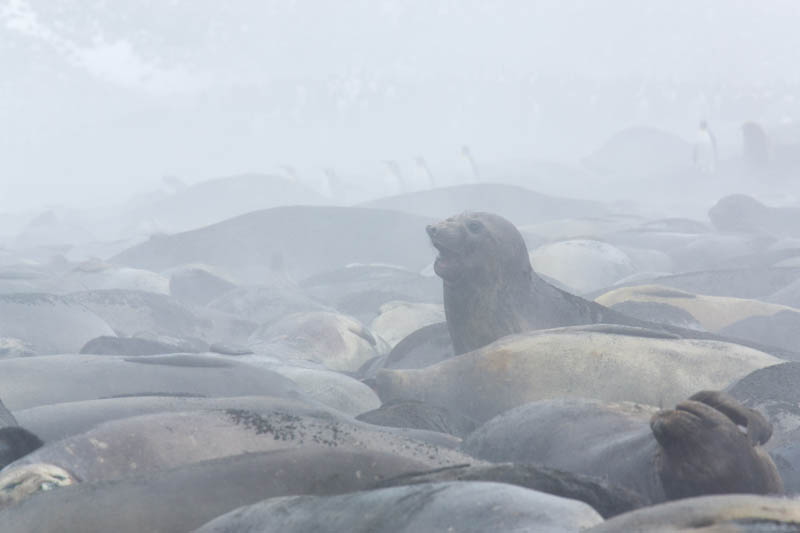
(378, 266)
(101, 100)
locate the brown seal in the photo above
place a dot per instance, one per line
(708, 444)
(702, 449)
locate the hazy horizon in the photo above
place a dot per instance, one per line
(102, 100)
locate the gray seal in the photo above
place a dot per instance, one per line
(490, 289)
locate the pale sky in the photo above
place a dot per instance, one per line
(103, 98)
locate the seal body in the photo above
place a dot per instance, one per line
(606, 362)
(464, 506)
(184, 498)
(491, 290)
(694, 449)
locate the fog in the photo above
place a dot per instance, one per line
(100, 100)
(378, 266)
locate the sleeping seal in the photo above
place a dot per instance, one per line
(600, 361)
(185, 497)
(730, 513)
(463, 506)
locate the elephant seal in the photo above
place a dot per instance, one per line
(428, 345)
(60, 420)
(245, 246)
(702, 450)
(774, 392)
(515, 202)
(490, 289)
(196, 284)
(184, 498)
(6, 418)
(604, 362)
(419, 415)
(155, 442)
(730, 513)
(336, 341)
(464, 506)
(36, 381)
(605, 498)
(16, 442)
(742, 213)
(69, 325)
(134, 346)
(694, 449)
(360, 290)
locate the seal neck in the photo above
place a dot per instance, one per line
(478, 315)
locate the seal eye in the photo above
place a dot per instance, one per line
(474, 226)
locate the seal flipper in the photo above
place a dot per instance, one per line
(6, 418)
(759, 429)
(16, 442)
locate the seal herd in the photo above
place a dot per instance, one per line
(470, 358)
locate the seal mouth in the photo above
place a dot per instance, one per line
(446, 260)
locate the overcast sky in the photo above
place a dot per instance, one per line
(101, 98)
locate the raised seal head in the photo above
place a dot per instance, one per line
(703, 449)
(476, 247)
(490, 289)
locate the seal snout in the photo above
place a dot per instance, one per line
(661, 423)
(436, 234)
(447, 261)
(672, 425)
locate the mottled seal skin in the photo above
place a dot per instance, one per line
(182, 499)
(419, 415)
(703, 451)
(463, 506)
(156, 442)
(604, 497)
(490, 288)
(730, 513)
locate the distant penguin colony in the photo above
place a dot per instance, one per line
(397, 175)
(423, 166)
(755, 145)
(705, 154)
(466, 153)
